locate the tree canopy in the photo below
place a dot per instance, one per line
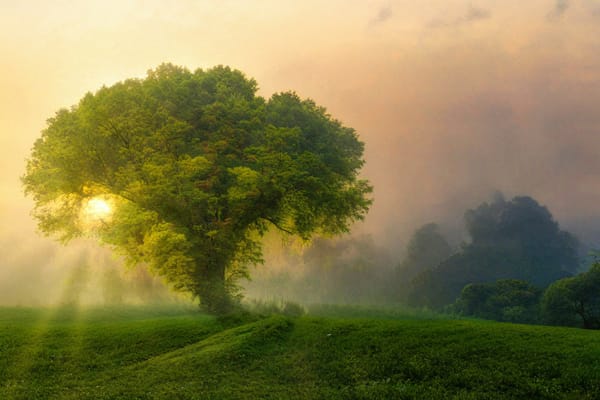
(516, 239)
(574, 301)
(527, 230)
(195, 167)
(509, 300)
(426, 249)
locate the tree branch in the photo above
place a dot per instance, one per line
(281, 228)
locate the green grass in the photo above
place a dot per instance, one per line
(177, 353)
(373, 311)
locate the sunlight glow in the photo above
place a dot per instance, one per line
(97, 208)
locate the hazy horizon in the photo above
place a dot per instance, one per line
(453, 99)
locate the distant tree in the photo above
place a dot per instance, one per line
(442, 285)
(523, 228)
(196, 168)
(426, 249)
(428, 289)
(347, 270)
(557, 307)
(515, 239)
(509, 300)
(574, 301)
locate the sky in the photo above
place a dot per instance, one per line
(454, 99)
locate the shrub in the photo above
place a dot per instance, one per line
(508, 300)
(574, 301)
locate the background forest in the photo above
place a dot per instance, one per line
(515, 264)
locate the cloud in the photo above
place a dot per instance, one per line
(383, 15)
(560, 7)
(476, 13)
(472, 14)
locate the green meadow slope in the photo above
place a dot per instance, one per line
(166, 353)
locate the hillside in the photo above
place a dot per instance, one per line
(166, 353)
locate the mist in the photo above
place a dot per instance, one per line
(37, 272)
(454, 100)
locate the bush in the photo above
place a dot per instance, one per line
(509, 300)
(273, 307)
(291, 309)
(574, 301)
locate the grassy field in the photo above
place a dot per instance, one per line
(177, 353)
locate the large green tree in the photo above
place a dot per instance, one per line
(195, 168)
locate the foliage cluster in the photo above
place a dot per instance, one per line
(267, 308)
(426, 250)
(509, 300)
(516, 239)
(574, 301)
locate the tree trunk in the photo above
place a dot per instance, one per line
(212, 291)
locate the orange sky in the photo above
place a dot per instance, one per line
(454, 98)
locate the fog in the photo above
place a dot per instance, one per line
(453, 99)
